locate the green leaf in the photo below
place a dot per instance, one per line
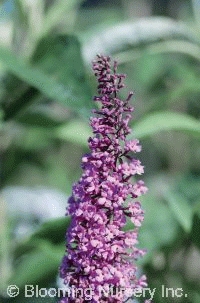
(22, 299)
(166, 121)
(1, 119)
(180, 208)
(34, 138)
(41, 253)
(75, 131)
(43, 116)
(61, 58)
(196, 11)
(189, 187)
(38, 266)
(158, 219)
(5, 240)
(53, 230)
(47, 85)
(20, 25)
(128, 35)
(195, 234)
(57, 11)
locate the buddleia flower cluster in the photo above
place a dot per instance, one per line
(100, 254)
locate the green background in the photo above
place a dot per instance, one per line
(46, 89)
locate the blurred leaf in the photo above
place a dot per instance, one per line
(196, 295)
(176, 46)
(25, 29)
(196, 11)
(39, 80)
(58, 10)
(158, 220)
(33, 138)
(34, 299)
(38, 266)
(150, 69)
(5, 240)
(195, 234)
(20, 25)
(181, 209)
(22, 167)
(127, 35)
(188, 82)
(78, 131)
(38, 119)
(1, 119)
(19, 100)
(196, 207)
(75, 131)
(61, 58)
(165, 121)
(15, 92)
(47, 116)
(101, 17)
(54, 230)
(25, 248)
(188, 185)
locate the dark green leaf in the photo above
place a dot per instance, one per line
(47, 116)
(195, 232)
(19, 99)
(53, 230)
(38, 266)
(50, 86)
(1, 119)
(61, 58)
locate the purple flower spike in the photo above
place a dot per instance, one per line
(100, 255)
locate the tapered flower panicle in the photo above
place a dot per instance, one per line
(100, 255)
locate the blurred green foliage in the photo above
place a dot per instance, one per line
(46, 89)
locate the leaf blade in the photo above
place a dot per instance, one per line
(42, 82)
(129, 35)
(166, 121)
(74, 131)
(38, 265)
(181, 209)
